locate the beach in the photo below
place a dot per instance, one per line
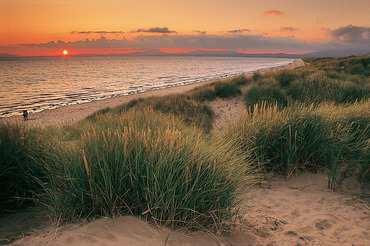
(300, 210)
(73, 113)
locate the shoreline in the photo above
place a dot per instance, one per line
(76, 112)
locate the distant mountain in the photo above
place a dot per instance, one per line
(335, 53)
(275, 55)
(7, 55)
(153, 52)
(226, 53)
(232, 53)
(139, 53)
(211, 53)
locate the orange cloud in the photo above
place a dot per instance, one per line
(96, 32)
(201, 32)
(156, 30)
(288, 29)
(350, 38)
(238, 31)
(273, 12)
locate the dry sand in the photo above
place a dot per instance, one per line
(227, 109)
(301, 211)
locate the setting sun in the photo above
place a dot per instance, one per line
(65, 52)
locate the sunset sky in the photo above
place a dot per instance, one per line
(47, 27)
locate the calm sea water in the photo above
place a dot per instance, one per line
(42, 83)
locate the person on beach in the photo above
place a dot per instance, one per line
(25, 115)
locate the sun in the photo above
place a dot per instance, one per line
(65, 52)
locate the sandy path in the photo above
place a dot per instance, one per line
(227, 109)
(231, 108)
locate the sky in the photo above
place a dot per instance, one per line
(47, 27)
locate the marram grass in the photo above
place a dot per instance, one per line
(148, 164)
(341, 80)
(318, 118)
(189, 110)
(300, 137)
(20, 151)
(190, 107)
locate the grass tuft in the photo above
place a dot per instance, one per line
(20, 152)
(267, 91)
(303, 137)
(225, 90)
(148, 164)
(327, 80)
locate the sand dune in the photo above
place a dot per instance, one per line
(301, 211)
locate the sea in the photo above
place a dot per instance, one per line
(43, 83)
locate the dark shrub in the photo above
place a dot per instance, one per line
(224, 90)
(256, 76)
(268, 93)
(285, 77)
(20, 153)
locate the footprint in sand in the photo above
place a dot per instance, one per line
(291, 233)
(296, 213)
(323, 224)
(274, 224)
